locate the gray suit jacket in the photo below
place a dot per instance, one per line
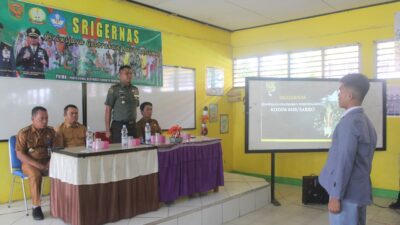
(346, 174)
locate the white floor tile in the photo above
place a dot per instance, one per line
(119, 222)
(233, 177)
(58, 222)
(257, 184)
(170, 222)
(261, 197)
(247, 203)
(29, 220)
(172, 211)
(185, 201)
(12, 217)
(254, 179)
(214, 197)
(141, 221)
(160, 213)
(230, 210)
(212, 215)
(191, 219)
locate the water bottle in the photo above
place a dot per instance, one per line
(147, 134)
(89, 138)
(157, 141)
(124, 136)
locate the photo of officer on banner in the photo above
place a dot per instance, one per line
(32, 59)
(7, 60)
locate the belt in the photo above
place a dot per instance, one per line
(125, 121)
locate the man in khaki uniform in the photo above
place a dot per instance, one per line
(146, 108)
(32, 148)
(122, 101)
(71, 133)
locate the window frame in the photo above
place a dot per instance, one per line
(376, 42)
(289, 53)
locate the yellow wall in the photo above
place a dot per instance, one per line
(193, 45)
(363, 26)
(185, 43)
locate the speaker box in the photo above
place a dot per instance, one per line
(313, 192)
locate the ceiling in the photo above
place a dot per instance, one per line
(235, 15)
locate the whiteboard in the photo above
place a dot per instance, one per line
(19, 96)
(174, 103)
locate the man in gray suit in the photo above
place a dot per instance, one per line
(346, 174)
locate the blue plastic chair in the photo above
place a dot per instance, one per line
(16, 171)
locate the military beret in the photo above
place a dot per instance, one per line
(33, 32)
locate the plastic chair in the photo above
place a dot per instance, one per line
(16, 171)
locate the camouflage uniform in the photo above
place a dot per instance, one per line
(124, 101)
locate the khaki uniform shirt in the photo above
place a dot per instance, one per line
(34, 142)
(124, 101)
(71, 135)
(141, 124)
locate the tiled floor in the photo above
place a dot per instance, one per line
(240, 195)
(291, 212)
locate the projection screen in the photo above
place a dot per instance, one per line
(291, 115)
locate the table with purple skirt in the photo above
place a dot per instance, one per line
(188, 168)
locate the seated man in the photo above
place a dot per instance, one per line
(71, 133)
(146, 108)
(32, 147)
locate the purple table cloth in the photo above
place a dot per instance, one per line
(189, 168)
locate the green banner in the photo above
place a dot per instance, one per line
(46, 43)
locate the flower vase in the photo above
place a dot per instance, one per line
(175, 140)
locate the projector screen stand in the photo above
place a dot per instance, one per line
(273, 199)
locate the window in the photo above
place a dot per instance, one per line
(340, 61)
(387, 60)
(332, 62)
(306, 64)
(214, 81)
(185, 79)
(274, 66)
(178, 78)
(243, 68)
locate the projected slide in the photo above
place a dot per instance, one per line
(287, 104)
(292, 115)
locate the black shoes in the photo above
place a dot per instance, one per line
(395, 205)
(37, 213)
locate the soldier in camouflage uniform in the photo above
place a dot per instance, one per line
(122, 102)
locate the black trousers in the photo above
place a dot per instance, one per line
(116, 127)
